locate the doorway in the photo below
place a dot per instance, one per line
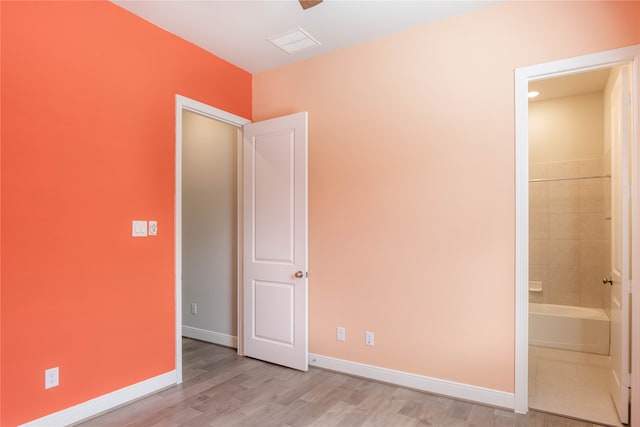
(570, 223)
(209, 229)
(524, 77)
(271, 235)
(194, 110)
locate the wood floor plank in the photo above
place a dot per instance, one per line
(460, 410)
(222, 389)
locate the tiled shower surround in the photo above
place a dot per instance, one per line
(570, 233)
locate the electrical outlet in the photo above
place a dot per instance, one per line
(368, 339)
(51, 378)
(153, 228)
(194, 308)
(340, 333)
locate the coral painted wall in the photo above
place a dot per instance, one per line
(412, 182)
(88, 137)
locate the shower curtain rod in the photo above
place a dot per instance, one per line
(568, 179)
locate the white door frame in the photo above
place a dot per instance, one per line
(184, 103)
(629, 55)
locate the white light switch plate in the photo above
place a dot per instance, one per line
(139, 228)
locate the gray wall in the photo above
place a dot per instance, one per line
(209, 217)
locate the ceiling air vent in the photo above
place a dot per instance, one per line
(294, 41)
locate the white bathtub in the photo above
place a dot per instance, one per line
(569, 328)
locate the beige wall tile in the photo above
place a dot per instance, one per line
(594, 252)
(592, 299)
(538, 197)
(564, 226)
(593, 226)
(537, 297)
(540, 273)
(569, 246)
(564, 278)
(564, 252)
(538, 226)
(591, 196)
(592, 290)
(565, 298)
(564, 197)
(590, 167)
(538, 170)
(538, 251)
(568, 169)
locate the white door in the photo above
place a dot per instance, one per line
(620, 271)
(275, 240)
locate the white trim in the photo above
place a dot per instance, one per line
(178, 238)
(634, 284)
(521, 398)
(210, 336)
(106, 402)
(184, 103)
(418, 382)
(522, 77)
(209, 111)
(240, 246)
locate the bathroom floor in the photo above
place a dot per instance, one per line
(571, 383)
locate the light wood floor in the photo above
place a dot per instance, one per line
(221, 388)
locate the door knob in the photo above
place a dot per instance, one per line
(606, 281)
(299, 274)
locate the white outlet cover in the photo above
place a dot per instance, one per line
(139, 228)
(368, 339)
(51, 378)
(153, 228)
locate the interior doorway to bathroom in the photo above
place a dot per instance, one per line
(570, 241)
(565, 228)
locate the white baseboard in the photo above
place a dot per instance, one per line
(210, 336)
(111, 400)
(103, 403)
(418, 382)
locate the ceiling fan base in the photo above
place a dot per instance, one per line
(306, 4)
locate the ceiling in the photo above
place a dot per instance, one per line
(570, 85)
(238, 31)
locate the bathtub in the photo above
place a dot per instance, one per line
(569, 328)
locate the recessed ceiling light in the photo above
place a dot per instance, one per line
(294, 40)
(533, 94)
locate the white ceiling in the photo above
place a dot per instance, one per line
(237, 31)
(570, 85)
